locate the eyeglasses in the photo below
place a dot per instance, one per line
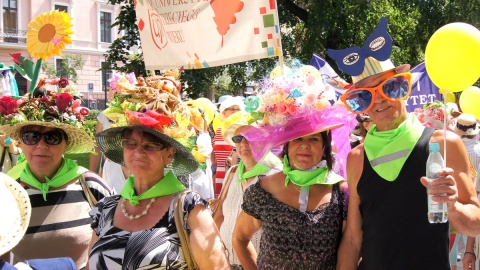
(53, 137)
(233, 109)
(359, 100)
(147, 146)
(237, 139)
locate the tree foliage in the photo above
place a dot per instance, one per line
(70, 64)
(312, 26)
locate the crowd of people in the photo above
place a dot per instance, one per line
(313, 182)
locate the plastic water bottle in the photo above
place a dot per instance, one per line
(437, 212)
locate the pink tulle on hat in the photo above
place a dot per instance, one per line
(295, 105)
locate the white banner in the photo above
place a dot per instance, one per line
(193, 34)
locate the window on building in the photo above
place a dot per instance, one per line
(61, 8)
(58, 67)
(10, 22)
(105, 29)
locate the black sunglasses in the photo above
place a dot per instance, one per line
(53, 137)
(147, 146)
(237, 139)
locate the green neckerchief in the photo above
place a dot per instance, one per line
(398, 143)
(169, 184)
(256, 170)
(18, 168)
(307, 178)
(68, 171)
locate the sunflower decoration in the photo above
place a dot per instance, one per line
(48, 33)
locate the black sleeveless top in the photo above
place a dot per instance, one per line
(396, 231)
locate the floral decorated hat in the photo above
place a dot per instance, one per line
(152, 105)
(49, 109)
(294, 105)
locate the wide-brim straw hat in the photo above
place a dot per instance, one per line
(109, 142)
(15, 214)
(78, 140)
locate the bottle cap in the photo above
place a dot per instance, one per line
(434, 147)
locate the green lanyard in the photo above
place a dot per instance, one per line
(169, 184)
(68, 171)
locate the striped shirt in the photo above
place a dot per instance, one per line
(60, 226)
(221, 150)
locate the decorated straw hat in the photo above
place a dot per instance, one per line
(109, 142)
(466, 125)
(294, 105)
(48, 109)
(15, 214)
(154, 109)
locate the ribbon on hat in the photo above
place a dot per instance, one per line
(378, 45)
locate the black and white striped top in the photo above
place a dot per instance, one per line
(60, 226)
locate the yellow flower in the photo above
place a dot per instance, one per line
(48, 33)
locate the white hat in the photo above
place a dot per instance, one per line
(232, 101)
(15, 214)
(466, 125)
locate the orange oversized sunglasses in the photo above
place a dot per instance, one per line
(397, 87)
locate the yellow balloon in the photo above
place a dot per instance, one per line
(452, 57)
(449, 97)
(469, 100)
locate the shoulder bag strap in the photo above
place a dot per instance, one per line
(178, 208)
(88, 193)
(2, 160)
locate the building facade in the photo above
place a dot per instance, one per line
(91, 38)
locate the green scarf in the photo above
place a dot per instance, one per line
(18, 168)
(307, 178)
(169, 184)
(387, 151)
(256, 170)
(68, 171)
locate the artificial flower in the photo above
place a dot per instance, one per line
(63, 101)
(63, 83)
(282, 108)
(48, 33)
(8, 105)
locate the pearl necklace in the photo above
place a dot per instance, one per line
(124, 211)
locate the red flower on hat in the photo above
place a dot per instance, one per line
(8, 105)
(63, 101)
(162, 119)
(63, 82)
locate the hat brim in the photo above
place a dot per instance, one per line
(463, 133)
(400, 69)
(16, 217)
(78, 140)
(230, 132)
(109, 142)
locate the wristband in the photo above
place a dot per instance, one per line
(468, 252)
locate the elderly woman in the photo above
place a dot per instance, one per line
(62, 193)
(301, 210)
(136, 229)
(237, 180)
